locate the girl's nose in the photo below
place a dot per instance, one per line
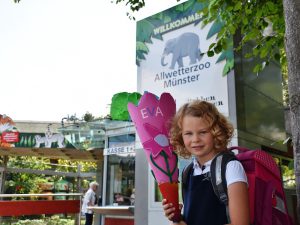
(196, 138)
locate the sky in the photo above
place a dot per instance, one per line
(60, 58)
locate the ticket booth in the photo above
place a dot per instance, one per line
(118, 186)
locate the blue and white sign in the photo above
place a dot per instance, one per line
(169, 59)
(119, 150)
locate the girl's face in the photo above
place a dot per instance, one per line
(197, 138)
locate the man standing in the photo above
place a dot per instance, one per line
(90, 199)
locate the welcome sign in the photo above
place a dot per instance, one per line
(169, 56)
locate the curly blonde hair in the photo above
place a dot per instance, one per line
(221, 129)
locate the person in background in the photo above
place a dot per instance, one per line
(90, 199)
(132, 197)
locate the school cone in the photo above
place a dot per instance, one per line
(152, 118)
(169, 191)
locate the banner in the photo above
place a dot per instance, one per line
(170, 57)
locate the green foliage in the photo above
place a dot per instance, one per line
(260, 22)
(288, 175)
(251, 20)
(54, 220)
(146, 31)
(24, 183)
(135, 5)
(118, 109)
(73, 165)
(88, 117)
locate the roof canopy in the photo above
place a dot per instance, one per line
(55, 153)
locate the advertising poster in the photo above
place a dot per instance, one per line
(170, 57)
(8, 132)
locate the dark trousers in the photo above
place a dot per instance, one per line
(88, 219)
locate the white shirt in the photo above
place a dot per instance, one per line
(234, 171)
(89, 197)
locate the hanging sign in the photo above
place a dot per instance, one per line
(119, 150)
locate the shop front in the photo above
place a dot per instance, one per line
(118, 184)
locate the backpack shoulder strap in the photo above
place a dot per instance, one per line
(218, 174)
(184, 178)
(218, 177)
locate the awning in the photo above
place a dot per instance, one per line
(55, 153)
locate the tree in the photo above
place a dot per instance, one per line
(292, 41)
(274, 28)
(88, 117)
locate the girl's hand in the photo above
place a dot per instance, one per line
(169, 209)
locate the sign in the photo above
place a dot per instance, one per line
(119, 150)
(169, 57)
(10, 137)
(8, 132)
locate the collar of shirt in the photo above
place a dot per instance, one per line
(197, 168)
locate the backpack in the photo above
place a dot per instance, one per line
(266, 195)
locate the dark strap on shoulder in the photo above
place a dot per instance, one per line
(184, 178)
(218, 174)
(218, 177)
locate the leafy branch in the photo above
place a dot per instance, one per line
(258, 23)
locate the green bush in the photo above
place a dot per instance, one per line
(54, 220)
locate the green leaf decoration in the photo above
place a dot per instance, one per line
(228, 55)
(228, 66)
(215, 28)
(188, 5)
(141, 49)
(140, 55)
(118, 109)
(221, 57)
(145, 27)
(145, 30)
(141, 46)
(179, 8)
(169, 172)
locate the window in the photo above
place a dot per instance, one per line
(120, 172)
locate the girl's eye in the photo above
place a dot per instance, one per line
(187, 133)
(203, 132)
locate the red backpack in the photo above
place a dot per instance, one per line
(266, 195)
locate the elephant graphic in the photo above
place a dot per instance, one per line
(186, 44)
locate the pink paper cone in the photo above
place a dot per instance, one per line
(152, 118)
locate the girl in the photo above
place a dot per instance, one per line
(198, 129)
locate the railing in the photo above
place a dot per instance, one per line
(38, 207)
